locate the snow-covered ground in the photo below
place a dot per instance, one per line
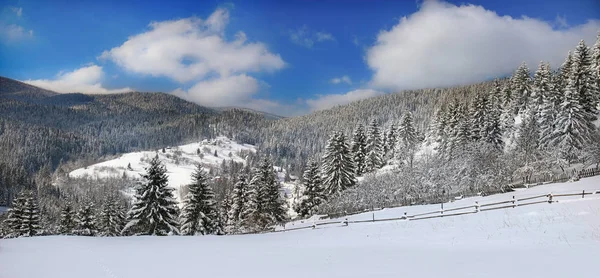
(180, 162)
(544, 240)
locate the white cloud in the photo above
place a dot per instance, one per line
(14, 32)
(444, 45)
(233, 90)
(17, 10)
(304, 37)
(83, 80)
(328, 101)
(343, 79)
(192, 49)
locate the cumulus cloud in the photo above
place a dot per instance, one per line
(192, 48)
(83, 80)
(344, 79)
(234, 90)
(328, 101)
(444, 45)
(305, 37)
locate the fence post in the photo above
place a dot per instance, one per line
(476, 206)
(345, 222)
(373, 217)
(550, 198)
(442, 211)
(513, 202)
(583, 194)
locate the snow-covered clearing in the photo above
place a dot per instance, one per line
(180, 162)
(544, 240)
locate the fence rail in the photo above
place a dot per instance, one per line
(476, 208)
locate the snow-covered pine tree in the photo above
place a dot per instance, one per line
(492, 132)
(224, 208)
(337, 168)
(238, 201)
(200, 215)
(30, 216)
(111, 218)
(86, 221)
(249, 217)
(541, 88)
(527, 143)
(15, 213)
(407, 139)
(269, 195)
(550, 103)
(581, 80)
(359, 149)
(374, 147)
(390, 142)
(67, 220)
(596, 61)
(521, 85)
(154, 211)
(478, 113)
(572, 126)
(313, 190)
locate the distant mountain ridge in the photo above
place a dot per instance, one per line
(17, 90)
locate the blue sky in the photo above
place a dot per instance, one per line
(285, 57)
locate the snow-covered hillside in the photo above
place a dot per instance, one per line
(544, 240)
(180, 162)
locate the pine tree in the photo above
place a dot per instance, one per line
(86, 221)
(478, 113)
(390, 142)
(581, 81)
(249, 215)
(67, 220)
(111, 220)
(407, 139)
(550, 103)
(596, 61)
(492, 132)
(572, 126)
(374, 147)
(200, 215)
(313, 190)
(30, 216)
(521, 85)
(527, 143)
(337, 169)
(15, 215)
(359, 150)
(269, 195)
(154, 210)
(239, 199)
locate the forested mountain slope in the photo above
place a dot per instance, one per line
(300, 138)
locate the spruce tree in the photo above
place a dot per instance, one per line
(390, 142)
(407, 139)
(527, 143)
(359, 150)
(239, 199)
(572, 126)
(596, 61)
(313, 194)
(269, 194)
(492, 132)
(200, 215)
(374, 147)
(582, 81)
(111, 218)
(337, 169)
(15, 215)
(478, 113)
(521, 85)
(86, 221)
(30, 216)
(154, 211)
(67, 220)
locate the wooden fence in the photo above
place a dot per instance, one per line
(450, 212)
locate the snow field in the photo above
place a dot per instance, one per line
(545, 240)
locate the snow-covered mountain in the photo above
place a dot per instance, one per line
(180, 162)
